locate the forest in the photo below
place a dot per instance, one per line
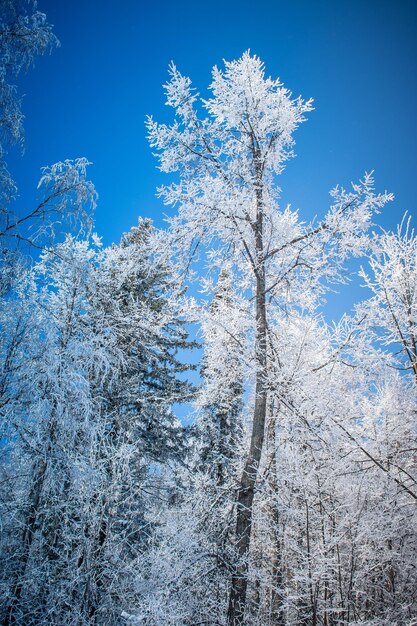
(186, 438)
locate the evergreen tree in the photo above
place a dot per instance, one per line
(98, 419)
(220, 400)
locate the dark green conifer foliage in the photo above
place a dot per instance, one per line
(219, 424)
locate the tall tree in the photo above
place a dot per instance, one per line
(227, 196)
(220, 399)
(93, 415)
(184, 575)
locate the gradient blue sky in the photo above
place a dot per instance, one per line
(90, 97)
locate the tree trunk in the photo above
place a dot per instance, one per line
(239, 583)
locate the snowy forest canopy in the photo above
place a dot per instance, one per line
(291, 498)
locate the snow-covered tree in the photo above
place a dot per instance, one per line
(184, 574)
(220, 400)
(92, 418)
(24, 34)
(391, 313)
(290, 501)
(66, 196)
(227, 198)
(325, 550)
(50, 427)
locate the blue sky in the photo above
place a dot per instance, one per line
(90, 97)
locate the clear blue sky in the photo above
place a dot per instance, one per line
(358, 61)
